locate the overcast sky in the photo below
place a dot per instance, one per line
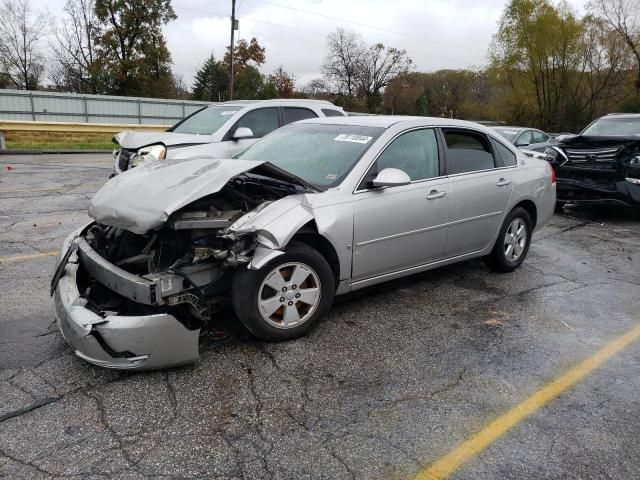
(436, 33)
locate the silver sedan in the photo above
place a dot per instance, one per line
(316, 209)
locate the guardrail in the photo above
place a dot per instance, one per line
(47, 106)
(68, 127)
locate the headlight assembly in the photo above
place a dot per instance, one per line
(554, 155)
(148, 154)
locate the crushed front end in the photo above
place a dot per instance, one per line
(137, 297)
(597, 170)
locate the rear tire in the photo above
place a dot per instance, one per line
(287, 296)
(513, 242)
(559, 206)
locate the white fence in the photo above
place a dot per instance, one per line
(71, 107)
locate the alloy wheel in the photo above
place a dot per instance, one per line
(515, 240)
(289, 295)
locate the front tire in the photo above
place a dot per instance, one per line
(513, 242)
(287, 296)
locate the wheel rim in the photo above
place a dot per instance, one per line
(289, 295)
(515, 240)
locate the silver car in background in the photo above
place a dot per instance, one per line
(316, 209)
(220, 130)
(529, 139)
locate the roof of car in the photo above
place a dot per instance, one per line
(503, 127)
(386, 121)
(279, 101)
(629, 115)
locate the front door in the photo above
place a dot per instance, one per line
(403, 226)
(261, 121)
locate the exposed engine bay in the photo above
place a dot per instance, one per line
(185, 265)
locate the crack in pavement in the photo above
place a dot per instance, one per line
(29, 408)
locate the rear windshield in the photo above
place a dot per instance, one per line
(207, 121)
(320, 154)
(613, 127)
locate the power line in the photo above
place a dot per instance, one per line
(309, 12)
(312, 32)
(225, 14)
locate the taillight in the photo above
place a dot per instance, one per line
(553, 176)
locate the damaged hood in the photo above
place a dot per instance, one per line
(143, 198)
(584, 141)
(135, 140)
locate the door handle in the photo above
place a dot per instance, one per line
(503, 182)
(434, 194)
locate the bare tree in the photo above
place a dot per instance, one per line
(601, 76)
(377, 67)
(624, 17)
(316, 88)
(21, 30)
(74, 50)
(344, 58)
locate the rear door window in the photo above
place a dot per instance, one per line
(293, 114)
(332, 113)
(504, 157)
(467, 151)
(261, 121)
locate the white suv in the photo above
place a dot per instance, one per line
(220, 130)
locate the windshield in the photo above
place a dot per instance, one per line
(613, 127)
(320, 154)
(508, 133)
(207, 121)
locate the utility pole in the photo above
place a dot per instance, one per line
(234, 27)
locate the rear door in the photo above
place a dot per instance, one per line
(481, 189)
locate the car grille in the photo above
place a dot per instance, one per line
(593, 158)
(123, 158)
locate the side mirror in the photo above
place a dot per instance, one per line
(242, 132)
(391, 177)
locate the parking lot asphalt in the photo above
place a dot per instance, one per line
(394, 379)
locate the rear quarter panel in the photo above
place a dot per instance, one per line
(532, 181)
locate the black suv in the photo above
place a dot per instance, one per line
(601, 164)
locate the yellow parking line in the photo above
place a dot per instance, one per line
(33, 256)
(447, 465)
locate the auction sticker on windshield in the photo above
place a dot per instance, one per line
(346, 137)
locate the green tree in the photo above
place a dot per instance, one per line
(130, 47)
(424, 103)
(249, 84)
(211, 82)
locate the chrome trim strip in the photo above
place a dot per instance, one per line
(427, 229)
(407, 271)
